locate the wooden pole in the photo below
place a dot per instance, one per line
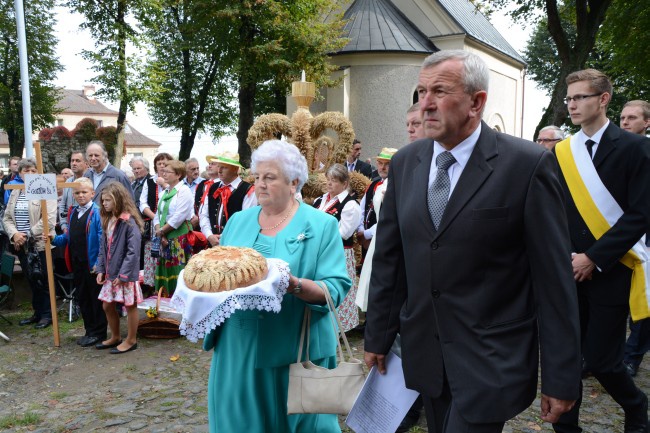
(48, 252)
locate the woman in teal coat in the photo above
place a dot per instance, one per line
(247, 389)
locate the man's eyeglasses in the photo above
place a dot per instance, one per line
(547, 140)
(579, 98)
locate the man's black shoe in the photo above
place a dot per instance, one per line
(90, 341)
(28, 321)
(43, 323)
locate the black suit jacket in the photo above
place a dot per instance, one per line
(622, 161)
(364, 168)
(487, 289)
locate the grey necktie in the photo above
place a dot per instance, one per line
(439, 192)
(590, 147)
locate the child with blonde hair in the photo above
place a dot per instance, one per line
(81, 241)
(118, 264)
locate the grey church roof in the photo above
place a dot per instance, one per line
(74, 101)
(478, 27)
(377, 25)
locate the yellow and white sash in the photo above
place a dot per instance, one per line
(601, 211)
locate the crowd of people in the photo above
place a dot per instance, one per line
(484, 257)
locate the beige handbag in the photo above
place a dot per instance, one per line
(314, 389)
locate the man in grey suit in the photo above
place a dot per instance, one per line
(473, 237)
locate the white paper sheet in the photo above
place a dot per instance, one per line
(383, 400)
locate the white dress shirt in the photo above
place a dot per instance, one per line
(250, 200)
(350, 213)
(145, 193)
(82, 209)
(461, 153)
(582, 138)
(181, 207)
(369, 233)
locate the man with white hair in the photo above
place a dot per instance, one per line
(549, 136)
(140, 167)
(101, 172)
(473, 244)
(192, 178)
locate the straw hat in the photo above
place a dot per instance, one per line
(386, 153)
(229, 158)
(210, 159)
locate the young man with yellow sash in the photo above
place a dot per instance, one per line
(605, 174)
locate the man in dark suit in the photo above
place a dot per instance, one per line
(486, 275)
(355, 164)
(622, 167)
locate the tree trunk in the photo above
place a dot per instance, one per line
(247, 92)
(588, 20)
(246, 97)
(188, 131)
(124, 93)
(15, 137)
(187, 143)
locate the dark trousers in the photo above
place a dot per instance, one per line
(638, 342)
(603, 342)
(91, 308)
(38, 286)
(443, 416)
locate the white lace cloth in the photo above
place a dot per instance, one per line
(203, 312)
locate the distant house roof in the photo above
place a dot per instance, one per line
(377, 25)
(477, 26)
(135, 138)
(74, 101)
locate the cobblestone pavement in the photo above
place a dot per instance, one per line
(73, 389)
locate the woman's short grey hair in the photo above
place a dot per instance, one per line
(476, 74)
(292, 164)
(144, 161)
(338, 172)
(26, 163)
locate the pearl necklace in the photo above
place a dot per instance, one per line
(281, 221)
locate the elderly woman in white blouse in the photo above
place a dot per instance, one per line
(341, 205)
(171, 224)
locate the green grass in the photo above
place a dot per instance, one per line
(27, 419)
(130, 367)
(58, 395)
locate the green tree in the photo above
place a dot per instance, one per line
(573, 48)
(108, 22)
(269, 43)
(608, 56)
(189, 89)
(625, 38)
(43, 66)
(211, 57)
